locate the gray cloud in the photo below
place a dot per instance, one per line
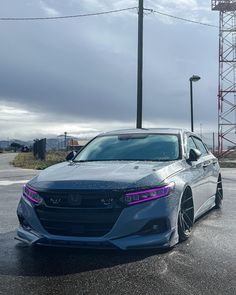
(84, 70)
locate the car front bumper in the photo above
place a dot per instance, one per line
(138, 227)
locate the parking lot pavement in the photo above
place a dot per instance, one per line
(205, 264)
(11, 181)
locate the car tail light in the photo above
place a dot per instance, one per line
(31, 195)
(148, 195)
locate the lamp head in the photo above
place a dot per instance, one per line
(195, 78)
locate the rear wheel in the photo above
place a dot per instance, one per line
(219, 194)
(186, 216)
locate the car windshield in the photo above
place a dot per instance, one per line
(131, 147)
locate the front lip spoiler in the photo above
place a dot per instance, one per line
(76, 244)
(28, 237)
(164, 241)
(31, 238)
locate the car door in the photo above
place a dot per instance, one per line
(209, 166)
(198, 175)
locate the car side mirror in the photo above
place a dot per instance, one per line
(194, 155)
(71, 155)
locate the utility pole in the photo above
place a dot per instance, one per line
(65, 134)
(140, 66)
(213, 143)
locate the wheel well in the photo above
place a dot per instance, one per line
(186, 210)
(189, 193)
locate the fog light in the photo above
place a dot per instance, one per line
(155, 226)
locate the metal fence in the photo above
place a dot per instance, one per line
(39, 149)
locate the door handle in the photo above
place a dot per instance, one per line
(206, 164)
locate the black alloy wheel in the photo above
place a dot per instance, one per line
(219, 194)
(186, 216)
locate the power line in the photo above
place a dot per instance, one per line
(181, 18)
(65, 16)
(103, 13)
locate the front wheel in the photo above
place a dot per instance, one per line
(219, 194)
(186, 216)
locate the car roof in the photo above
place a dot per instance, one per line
(146, 131)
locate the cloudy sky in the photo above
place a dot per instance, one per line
(79, 75)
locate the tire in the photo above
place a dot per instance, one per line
(219, 194)
(185, 216)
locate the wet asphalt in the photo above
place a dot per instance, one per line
(205, 264)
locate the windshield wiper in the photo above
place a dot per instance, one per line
(125, 160)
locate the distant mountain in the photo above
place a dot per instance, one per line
(59, 142)
(52, 143)
(6, 143)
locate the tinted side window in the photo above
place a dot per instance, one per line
(190, 144)
(201, 146)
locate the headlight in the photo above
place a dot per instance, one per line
(148, 195)
(31, 195)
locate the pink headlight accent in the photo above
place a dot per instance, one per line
(30, 197)
(163, 192)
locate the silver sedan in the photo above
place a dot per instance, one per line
(125, 189)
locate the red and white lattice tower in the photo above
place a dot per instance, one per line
(227, 74)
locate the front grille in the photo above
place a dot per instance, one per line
(81, 213)
(77, 222)
(81, 199)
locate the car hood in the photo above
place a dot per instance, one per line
(105, 175)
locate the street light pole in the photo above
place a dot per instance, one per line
(194, 78)
(191, 104)
(140, 67)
